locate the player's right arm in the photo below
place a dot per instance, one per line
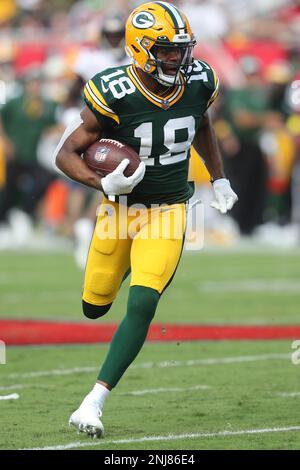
(76, 139)
(78, 136)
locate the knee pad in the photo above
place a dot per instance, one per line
(94, 311)
(102, 282)
(142, 303)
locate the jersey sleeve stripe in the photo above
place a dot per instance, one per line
(214, 95)
(92, 99)
(216, 80)
(216, 91)
(94, 90)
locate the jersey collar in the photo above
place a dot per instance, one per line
(164, 103)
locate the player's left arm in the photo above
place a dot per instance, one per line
(205, 144)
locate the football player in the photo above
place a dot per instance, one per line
(158, 106)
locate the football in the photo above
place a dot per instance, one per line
(105, 155)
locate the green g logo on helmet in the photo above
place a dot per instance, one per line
(143, 20)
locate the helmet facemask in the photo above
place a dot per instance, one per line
(160, 74)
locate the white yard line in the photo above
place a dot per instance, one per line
(212, 361)
(163, 364)
(169, 437)
(165, 390)
(51, 373)
(155, 390)
(13, 396)
(288, 394)
(133, 392)
(14, 387)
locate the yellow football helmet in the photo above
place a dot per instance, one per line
(157, 25)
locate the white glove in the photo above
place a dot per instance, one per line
(116, 183)
(225, 196)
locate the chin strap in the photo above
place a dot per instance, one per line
(159, 76)
(169, 80)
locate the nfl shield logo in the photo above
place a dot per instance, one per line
(101, 154)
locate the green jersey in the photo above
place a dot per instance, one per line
(24, 121)
(249, 99)
(160, 130)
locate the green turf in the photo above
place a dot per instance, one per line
(253, 288)
(242, 396)
(220, 288)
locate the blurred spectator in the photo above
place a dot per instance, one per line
(289, 15)
(278, 146)
(208, 19)
(8, 10)
(293, 125)
(246, 110)
(279, 149)
(2, 164)
(24, 120)
(259, 106)
(278, 76)
(108, 51)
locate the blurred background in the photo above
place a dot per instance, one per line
(247, 276)
(49, 49)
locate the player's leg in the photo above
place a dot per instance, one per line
(126, 343)
(130, 335)
(108, 261)
(96, 311)
(155, 254)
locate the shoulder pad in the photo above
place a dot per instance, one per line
(100, 92)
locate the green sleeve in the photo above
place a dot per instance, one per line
(211, 84)
(98, 104)
(206, 80)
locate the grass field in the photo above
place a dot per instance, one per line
(176, 395)
(224, 288)
(214, 397)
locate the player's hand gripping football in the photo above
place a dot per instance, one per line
(116, 182)
(224, 194)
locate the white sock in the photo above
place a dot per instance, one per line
(98, 394)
